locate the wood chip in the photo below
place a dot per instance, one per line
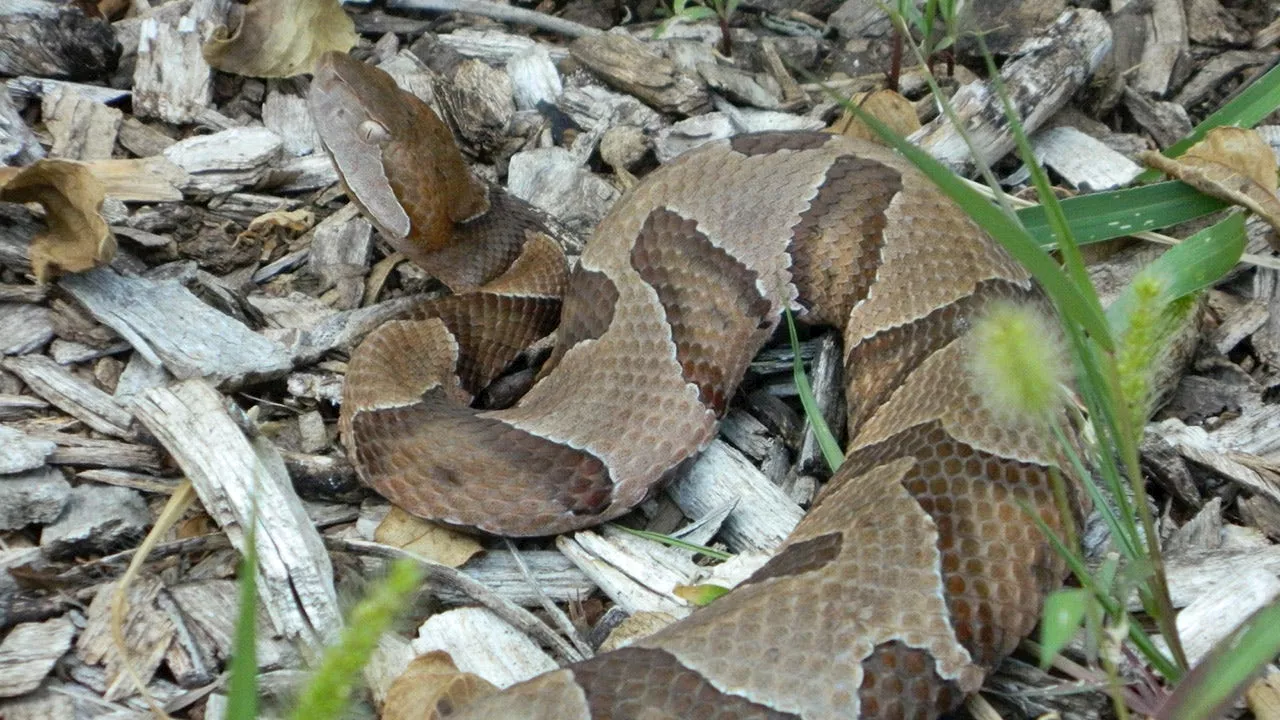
(763, 517)
(29, 653)
(1039, 80)
(240, 478)
(72, 395)
(481, 643)
(204, 343)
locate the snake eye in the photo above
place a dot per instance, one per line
(372, 131)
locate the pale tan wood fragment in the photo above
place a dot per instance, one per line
(1165, 48)
(482, 643)
(1039, 79)
(29, 652)
(241, 478)
(763, 517)
(172, 328)
(69, 393)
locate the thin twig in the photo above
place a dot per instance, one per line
(520, 618)
(566, 625)
(501, 13)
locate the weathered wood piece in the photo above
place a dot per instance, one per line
(1166, 122)
(763, 517)
(482, 643)
(82, 129)
(636, 69)
(171, 80)
(29, 653)
(534, 78)
(1219, 70)
(212, 607)
(1165, 49)
(826, 381)
(226, 161)
(240, 479)
(340, 249)
(70, 394)
(52, 39)
(97, 519)
(82, 451)
(147, 633)
(1083, 161)
(172, 328)
(284, 112)
(18, 145)
(637, 574)
(1039, 80)
(556, 576)
(24, 328)
(29, 498)
(500, 12)
(555, 181)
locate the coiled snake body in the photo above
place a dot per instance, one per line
(915, 571)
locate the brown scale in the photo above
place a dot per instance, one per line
(835, 248)
(973, 498)
(687, 271)
(875, 367)
(864, 232)
(653, 685)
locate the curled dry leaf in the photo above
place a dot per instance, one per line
(289, 221)
(886, 106)
(1231, 164)
(281, 38)
(428, 539)
(433, 687)
(77, 238)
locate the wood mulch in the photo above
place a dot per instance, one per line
(202, 368)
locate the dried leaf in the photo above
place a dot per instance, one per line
(266, 224)
(1231, 164)
(281, 38)
(432, 686)
(431, 540)
(886, 106)
(78, 238)
(700, 595)
(640, 625)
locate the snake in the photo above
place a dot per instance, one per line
(919, 565)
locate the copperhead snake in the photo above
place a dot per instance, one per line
(916, 569)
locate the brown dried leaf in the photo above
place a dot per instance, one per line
(1231, 164)
(433, 687)
(78, 238)
(431, 540)
(886, 106)
(281, 38)
(282, 222)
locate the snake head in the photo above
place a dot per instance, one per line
(397, 160)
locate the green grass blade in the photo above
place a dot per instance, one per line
(1245, 110)
(1208, 690)
(1193, 264)
(1020, 244)
(676, 542)
(827, 442)
(1117, 213)
(1072, 261)
(242, 693)
(330, 688)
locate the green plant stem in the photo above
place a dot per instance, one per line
(1126, 435)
